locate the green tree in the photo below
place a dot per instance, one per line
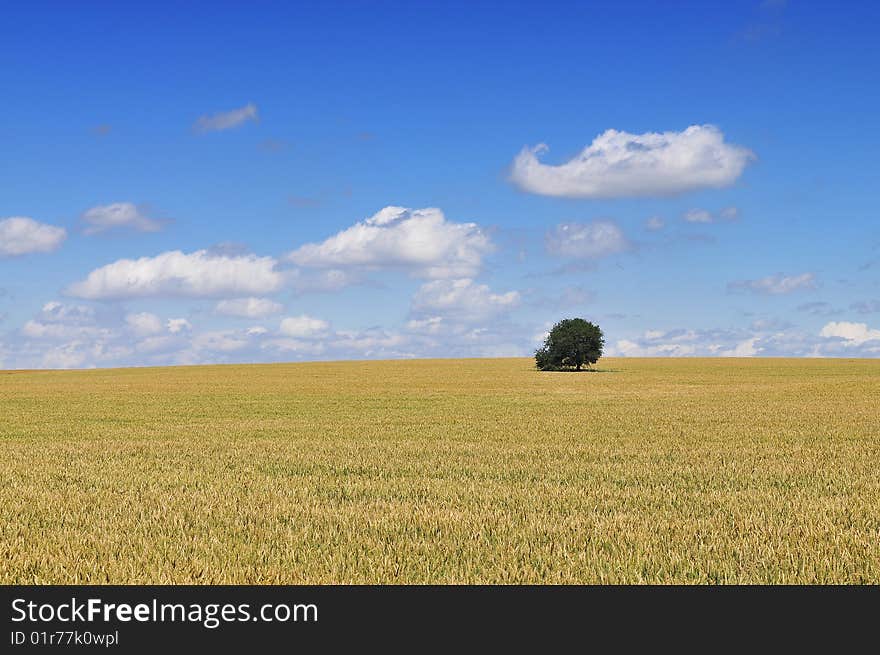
(571, 343)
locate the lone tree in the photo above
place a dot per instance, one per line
(571, 343)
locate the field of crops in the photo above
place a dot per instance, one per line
(444, 471)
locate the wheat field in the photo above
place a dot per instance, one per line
(443, 471)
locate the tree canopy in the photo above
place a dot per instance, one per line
(572, 342)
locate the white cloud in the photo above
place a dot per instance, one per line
(298, 346)
(729, 213)
(705, 216)
(35, 329)
(62, 321)
(58, 312)
(854, 334)
(303, 327)
(372, 343)
(777, 284)
(835, 340)
(586, 240)
(143, 324)
(256, 331)
(698, 216)
(654, 223)
(745, 348)
(421, 240)
(66, 356)
(227, 119)
(174, 273)
(461, 300)
(223, 341)
(541, 336)
(20, 235)
(430, 325)
(177, 325)
(620, 164)
(627, 348)
(688, 343)
(118, 215)
(248, 307)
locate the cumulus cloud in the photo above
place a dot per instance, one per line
(248, 307)
(853, 334)
(628, 348)
(420, 240)
(620, 164)
(226, 120)
(771, 340)
(118, 215)
(303, 327)
(461, 300)
(143, 324)
(375, 342)
(177, 325)
(66, 356)
(371, 343)
(430, 325)
(776, 284)
(745, 348)
(58, 312)
(20, 235)
(586, 240)
(174, 273)
(690, 343)
(63, 321)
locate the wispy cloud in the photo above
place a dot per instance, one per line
(118, 215)
(248, 307)
(866, 306)
(654, 224)
(778, 284)
(586, 240)
(226, 120)
(705, 216)
(819, 308)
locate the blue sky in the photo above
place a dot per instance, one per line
(209, 183)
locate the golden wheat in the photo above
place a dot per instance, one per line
(443, 471)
